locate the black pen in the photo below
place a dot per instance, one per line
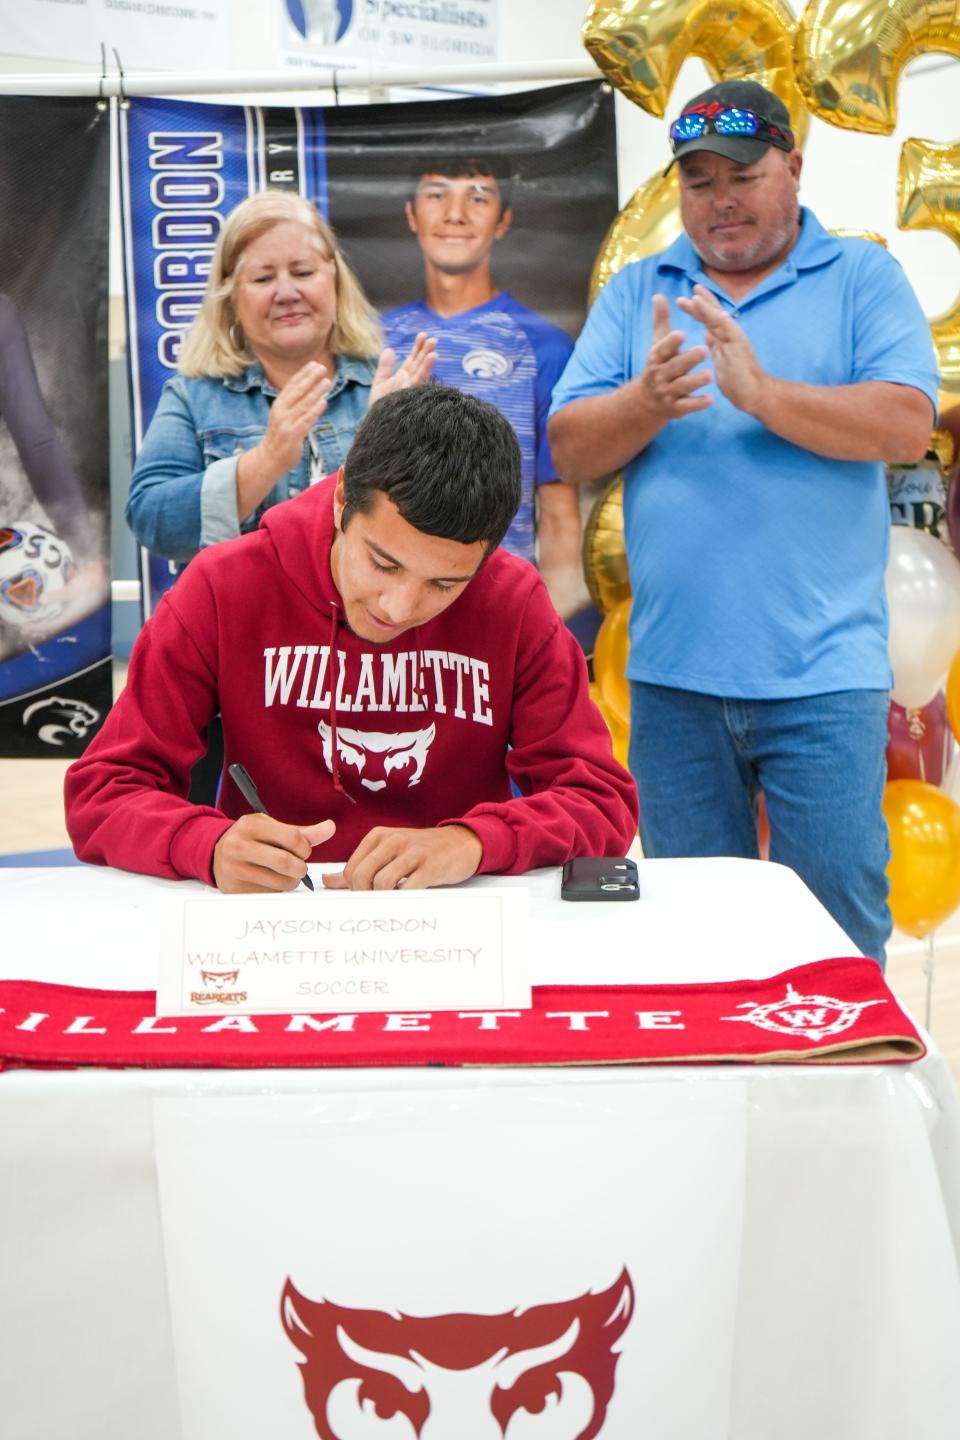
(248, 790)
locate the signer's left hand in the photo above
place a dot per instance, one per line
(394, 859)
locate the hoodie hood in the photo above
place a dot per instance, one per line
(302, 533)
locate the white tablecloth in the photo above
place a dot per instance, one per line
(788, 1234)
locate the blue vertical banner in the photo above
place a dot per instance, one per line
(184, 167)
(55, 663)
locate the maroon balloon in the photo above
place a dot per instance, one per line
(919, 742)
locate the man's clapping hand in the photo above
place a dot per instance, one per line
(670, 378)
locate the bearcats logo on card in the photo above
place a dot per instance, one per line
(217, 988)
(376, 755)
(544, 1373)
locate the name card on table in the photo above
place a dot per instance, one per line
(345, 950)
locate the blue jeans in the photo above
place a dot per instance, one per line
(700, 762)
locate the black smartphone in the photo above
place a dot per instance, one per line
(600, 879)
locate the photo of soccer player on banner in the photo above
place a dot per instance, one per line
(55, 681)
(527, 189)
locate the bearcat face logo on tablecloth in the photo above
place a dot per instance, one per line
(816, 1017)
(376, 756)
(543, 1373)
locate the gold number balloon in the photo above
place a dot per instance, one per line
(619, 734)
(928, 198)
(640, 46)
(849, 55)
(604, 556)
(610, 662)
(647, 224)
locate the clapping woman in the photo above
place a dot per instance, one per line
(274, 376)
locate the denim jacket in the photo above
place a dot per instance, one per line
(183, 487)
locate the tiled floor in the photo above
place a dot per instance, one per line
(31, 819)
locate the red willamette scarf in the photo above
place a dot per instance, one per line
(833, 1011)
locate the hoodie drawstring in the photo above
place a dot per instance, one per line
(334, 685)
(418, 685)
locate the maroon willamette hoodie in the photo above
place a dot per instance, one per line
(429, 728)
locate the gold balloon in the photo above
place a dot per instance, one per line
(924, 869)
(863, 235)
(943, 449)
(953, 697)
(647, 224)
(946, 402)
(640, 45)
(610, 662)
(604, 555)
(619, 734)
(849, 55)
(928, 198)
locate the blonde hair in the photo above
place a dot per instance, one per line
(215, 345)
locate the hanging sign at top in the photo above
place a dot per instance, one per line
(320, 33)
(147, 34)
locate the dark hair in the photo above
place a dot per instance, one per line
(466, 167)
(449, 462)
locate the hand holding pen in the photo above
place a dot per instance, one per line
(258, 854)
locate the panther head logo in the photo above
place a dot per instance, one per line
(544, 1373)
(59, 720)
(376, 755)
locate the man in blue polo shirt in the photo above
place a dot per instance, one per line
(752, 379)
(491, 346)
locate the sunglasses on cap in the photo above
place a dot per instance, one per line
(733, 121)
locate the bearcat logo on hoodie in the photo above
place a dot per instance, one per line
(541, 1373)
(376, 755)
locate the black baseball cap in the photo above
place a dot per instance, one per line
(744, 149)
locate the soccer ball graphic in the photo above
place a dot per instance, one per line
(35, 565)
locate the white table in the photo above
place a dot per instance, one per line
(790, 1233)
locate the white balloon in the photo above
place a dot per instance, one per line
(923, 596)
